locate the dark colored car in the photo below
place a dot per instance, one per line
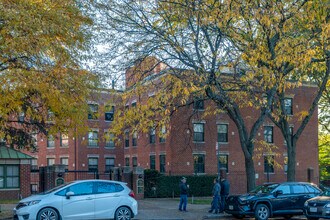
(318, 207)
(285, 199)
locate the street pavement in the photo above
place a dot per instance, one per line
(159, 209)
(167, 209)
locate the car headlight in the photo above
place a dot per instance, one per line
(245, 199)
(327, 205)
(306, 204)
(29, 203)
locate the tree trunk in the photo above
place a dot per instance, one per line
(291, 173)
(250, 173)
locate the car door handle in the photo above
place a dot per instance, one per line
(89, 198)
(116, 195)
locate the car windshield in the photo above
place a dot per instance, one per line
(55, 188)
(325, 193)
(266, 188)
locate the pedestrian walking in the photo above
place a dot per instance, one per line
(183, 194)
(225, 186)
(216, 196)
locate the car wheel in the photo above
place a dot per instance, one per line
(123, 213)
(48, 214)
(261, 212)
(313, 218)
(238, 216)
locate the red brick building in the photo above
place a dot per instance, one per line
(189, 148)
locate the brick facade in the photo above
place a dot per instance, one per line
(179, 150)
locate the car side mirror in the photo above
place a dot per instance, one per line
(278, 192)
(69, 194)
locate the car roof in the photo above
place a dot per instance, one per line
(99, 180)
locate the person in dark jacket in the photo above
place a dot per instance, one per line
(225, 185)
(216, 196)
(183, 194)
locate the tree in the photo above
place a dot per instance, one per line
(313, 33)
(42, 83)
(324, 151)
(191, 38)
(257, 41)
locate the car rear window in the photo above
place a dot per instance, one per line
(312, 189)
(105, 187)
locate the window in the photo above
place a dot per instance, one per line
(21, 117)
(93, 138)
(109, 113)
(199, 132)
(50, 141)
(126, 139)
(222, 133)
(109, 140)
(50, 161)
(297, 189)
(152, 135)
(64, 161)
(286, 164)
(50, 116)
(9, 174)
(82, 188)
(93, 111)
(199, 163)
(288, 106)
(34, 165)
(127, 162)
(109, 163)
(104, 187)
(152, 162)
(64, 140)
(93, 164)
(162, 163)
(199, 104)
(269, 163)
(134, 161)
(285, 189)
(223, 162)
(162, 138)
(268, 134)
(134, 139)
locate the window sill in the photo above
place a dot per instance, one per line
(226, 143)
(64, 146)
(92, 146)
(109, 148)
(268, 173)
(199, 142)
(50, 148)
(9, 189)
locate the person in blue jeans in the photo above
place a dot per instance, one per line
(183, 194)
(216, 196)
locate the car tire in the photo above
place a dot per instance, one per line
(313, 218)
(48, 213)
(261, 212)
(123, 213)
(238, 216)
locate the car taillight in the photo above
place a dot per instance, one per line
(131, 194)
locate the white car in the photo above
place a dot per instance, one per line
(84, 199)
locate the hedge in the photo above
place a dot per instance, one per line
(161, 186)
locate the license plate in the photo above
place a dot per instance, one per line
(231, 207)
(313, 209)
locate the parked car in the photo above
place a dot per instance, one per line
(272, 199)
(318, 207)
(84, 199)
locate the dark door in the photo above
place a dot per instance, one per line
(282, 202)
